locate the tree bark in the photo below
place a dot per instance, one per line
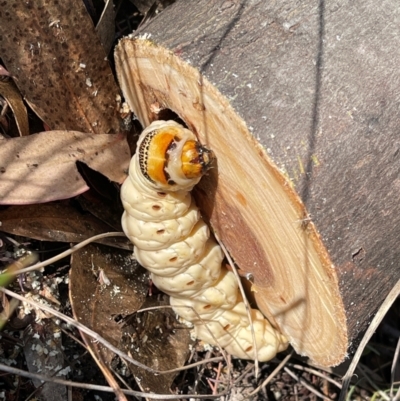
(317, 86)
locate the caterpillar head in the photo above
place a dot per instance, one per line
(170, 157)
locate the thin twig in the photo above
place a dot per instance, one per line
(272, 374)
(372, 384)
(316, 373)
(393, 372)
(68, 252)
(76, 339)
(248, 368)
(246, 303)
(217, 378)
(96, 387)
(305, 384)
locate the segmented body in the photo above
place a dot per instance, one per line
(174, 244)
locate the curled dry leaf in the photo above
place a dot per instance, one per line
(41, 168)
(56, 222)
(10, 92)
(55, 55)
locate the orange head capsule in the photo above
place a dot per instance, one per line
(170, 156)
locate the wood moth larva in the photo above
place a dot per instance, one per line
(174, 244)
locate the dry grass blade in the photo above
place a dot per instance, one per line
(366, 375)
(393, 371)
(306, 385)
(394, 293)
(68, 252)
(397, 397)
(316, 373)
(12, 270)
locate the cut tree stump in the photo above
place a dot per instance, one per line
(300, 105)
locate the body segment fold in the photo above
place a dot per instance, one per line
(174, 244)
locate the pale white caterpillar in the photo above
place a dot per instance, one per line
(173, 243)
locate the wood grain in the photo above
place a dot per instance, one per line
(316, 85)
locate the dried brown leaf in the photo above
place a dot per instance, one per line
(106, 210)
(56, 222)
(157, 340)
(10, 92)
(42, 168)
(105, 284)
(54, 53)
